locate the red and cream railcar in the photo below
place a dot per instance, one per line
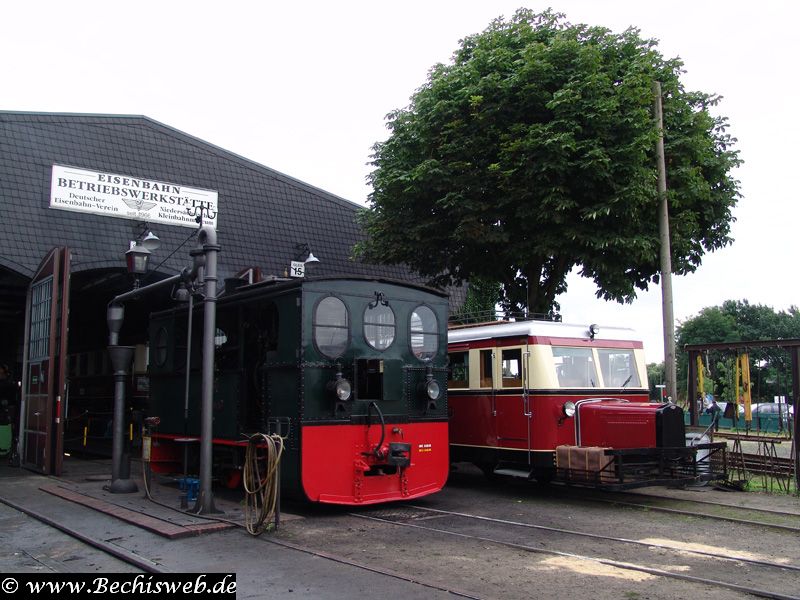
(549, 400)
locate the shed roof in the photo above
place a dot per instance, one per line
(263, 213)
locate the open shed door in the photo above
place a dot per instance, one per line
(47, 309)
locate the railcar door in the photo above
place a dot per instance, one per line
(41, 425)
(513, 401)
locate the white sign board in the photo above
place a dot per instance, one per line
(297, 268)
(130, 197)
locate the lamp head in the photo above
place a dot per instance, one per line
(137, 259)
(151, 241)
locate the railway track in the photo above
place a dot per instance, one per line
(667, 559)
(730, 513)
(117, 552)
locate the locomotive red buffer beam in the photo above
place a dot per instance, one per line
(355, 465)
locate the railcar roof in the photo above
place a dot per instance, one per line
(502, 329)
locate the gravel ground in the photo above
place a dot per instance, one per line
(489, 570)
(399, 560)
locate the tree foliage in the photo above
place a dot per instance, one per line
(655, 376)
(532, 152)
(482, 298)
(738, 321)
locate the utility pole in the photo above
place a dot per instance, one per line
(670, 374)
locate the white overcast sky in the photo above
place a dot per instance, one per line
(303, 87)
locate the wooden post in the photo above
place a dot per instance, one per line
(796, 401)
(670, 374)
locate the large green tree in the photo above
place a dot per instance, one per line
(737, 321)
(532, 152)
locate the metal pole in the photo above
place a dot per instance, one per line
(121, 357)
(148, 288)
(208, 239)
(188, 366)
(670, 374)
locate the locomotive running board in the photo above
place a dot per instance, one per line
(521, 473)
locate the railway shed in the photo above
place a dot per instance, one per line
(80, 193)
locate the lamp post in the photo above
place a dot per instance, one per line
(121, 357)
(137, 258)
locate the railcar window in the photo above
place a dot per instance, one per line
(512, 367)
(331, 327)
(379, 326)
(575, 367)
(424, 333)
(487, 361)
(459, 370)
(618, 367)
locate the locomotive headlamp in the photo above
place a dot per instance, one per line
(594, 329)
(341, 388)
(432, 389)
(569, 409)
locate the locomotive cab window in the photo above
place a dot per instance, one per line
(458, 371)
(575, 367)
(331, 327)
(424, 333)
(161, 347)
(226, 340)
(618, 367)
(512, 367)
(379, 326)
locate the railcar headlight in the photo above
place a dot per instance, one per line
(569, 409)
